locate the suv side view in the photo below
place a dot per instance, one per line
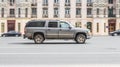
(39, 30)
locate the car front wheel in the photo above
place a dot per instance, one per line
(38, 38)
(80, 38)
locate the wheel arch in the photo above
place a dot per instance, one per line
(80, 33)
(41, 33)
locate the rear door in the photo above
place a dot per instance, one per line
(52, 30)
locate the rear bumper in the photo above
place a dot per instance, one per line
(29, 36)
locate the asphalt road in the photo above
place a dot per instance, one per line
(98, 50)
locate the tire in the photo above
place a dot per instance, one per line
(38, 39)
(80, 39)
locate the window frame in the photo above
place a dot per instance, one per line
(64, 27)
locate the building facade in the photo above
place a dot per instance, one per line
(100, 16)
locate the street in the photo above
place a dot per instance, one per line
(97, 50)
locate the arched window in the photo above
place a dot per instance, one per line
(89, 26)
(78, 24)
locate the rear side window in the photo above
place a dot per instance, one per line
(36, 24)
(53, 24)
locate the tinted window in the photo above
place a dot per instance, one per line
(53, 24)
(36, 24)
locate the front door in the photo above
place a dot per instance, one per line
(112, 25)
(65, 31)
(10, 25)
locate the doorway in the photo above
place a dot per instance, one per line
(112, 25)
(10, 25)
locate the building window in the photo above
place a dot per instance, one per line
(45, 2)
(78, 12)
(78, 24)
(34, 3)
(12, 12)
(98, 11)
(89, 1)
(104, 12)
(56, 1)
(89, 12)
(2, 12)
(12, 2)
(67, 12)
(2, 0)
(45, 13)
(19, 12)
(19, 27)
(56, 12)
(104, 27)
(111, 12)
(78, 1)
(26, 12)
(34, 13)
(67, 1)
(97, 27)
(110, 1)
(26, 0)
(2, 27)
(89, 26)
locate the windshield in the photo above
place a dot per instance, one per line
(11, 32)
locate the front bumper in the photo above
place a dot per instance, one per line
(88, 37)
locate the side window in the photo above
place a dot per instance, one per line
(30, 24)
(40, 24)
(36, 24)
(64, 25)
(53, 24)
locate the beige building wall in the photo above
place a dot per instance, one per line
(101, 18)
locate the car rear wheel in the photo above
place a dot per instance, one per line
(80, 38)
(38, 38)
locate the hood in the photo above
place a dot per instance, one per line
(4, 33)
(81, 29)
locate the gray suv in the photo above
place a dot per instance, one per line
(39, 30)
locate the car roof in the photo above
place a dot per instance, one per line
(43, 20)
